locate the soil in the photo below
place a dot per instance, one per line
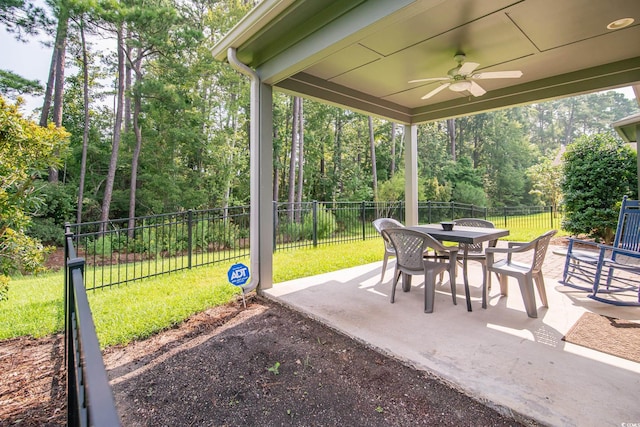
(233, 366)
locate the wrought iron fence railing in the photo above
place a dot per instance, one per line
(89, 397)
(119, 251)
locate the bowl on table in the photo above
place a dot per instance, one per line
(447, 225)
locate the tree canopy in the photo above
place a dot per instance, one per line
(157, 125)
(26, 150)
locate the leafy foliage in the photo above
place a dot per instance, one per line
(326, 223)
(598, 171)
(26, 149)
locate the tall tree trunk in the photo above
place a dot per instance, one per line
(393, 150)
(127, 88)
(292, 159)
(117, 129)
(568, 131)
(137, 106)
(300, 156)
(451, 133)
(48, 93)
(374, 168)
(58, 92)
(337, 157)
(85, 132)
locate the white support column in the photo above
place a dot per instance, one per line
(411, 174)
(638, 153)
(265, 185)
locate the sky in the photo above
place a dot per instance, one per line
(31, 60)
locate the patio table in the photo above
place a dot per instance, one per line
(463, 234)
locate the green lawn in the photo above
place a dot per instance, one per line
(139, 309)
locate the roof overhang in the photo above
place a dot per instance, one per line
(361, 54)
(627, 127)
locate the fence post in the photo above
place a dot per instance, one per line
(275, 224)
(190, 236)
(73, 416)
(315, 223)
(505, 216)
(551, 215)
(486, 212)
(362, 216)
(453, 213)
(67, 235)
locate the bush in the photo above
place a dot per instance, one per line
(107, 244)
(598, 171)
(464, 192)
(56, 205)
(348, 214)
(223, 234)
(326, 224)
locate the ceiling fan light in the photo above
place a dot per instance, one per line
(460, 86)
(620, 23)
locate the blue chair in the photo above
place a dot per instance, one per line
(610, 261)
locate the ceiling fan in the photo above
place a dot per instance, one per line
(461, 79)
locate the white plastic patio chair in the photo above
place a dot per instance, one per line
(475, 251)
(526, 273)
(384, 224)
(410, 248)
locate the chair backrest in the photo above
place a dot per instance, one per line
(476, 222)
(381, 224)
(628, 229)
(410, 246)
(541, 245)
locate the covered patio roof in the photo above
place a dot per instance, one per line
(361, 54)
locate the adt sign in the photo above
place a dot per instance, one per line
(238, 274)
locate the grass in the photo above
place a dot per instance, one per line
(140, 309)
(137, 310)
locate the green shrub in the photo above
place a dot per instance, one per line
(598, 171)
(107, 244)
(463, 192)
(56, 205)
(47, 231)
(348, 215)
(223, 235)
(326, 223)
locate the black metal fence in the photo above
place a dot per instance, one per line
(119, 252)
(89, 396)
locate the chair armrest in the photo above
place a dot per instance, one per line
(619, 251)
(573, 240)
(514, 247)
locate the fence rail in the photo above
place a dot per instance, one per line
(161, 244)
(89, 397)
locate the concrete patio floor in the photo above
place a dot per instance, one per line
(514, 363)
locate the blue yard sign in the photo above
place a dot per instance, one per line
(238, 274)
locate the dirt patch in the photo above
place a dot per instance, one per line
(263, 365)
(32, 390)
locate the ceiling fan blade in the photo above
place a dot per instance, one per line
(498, 75)
(476, 90)
(436, 90)
(432, 79)
(467, 68)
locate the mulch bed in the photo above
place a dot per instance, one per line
(263, 365)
